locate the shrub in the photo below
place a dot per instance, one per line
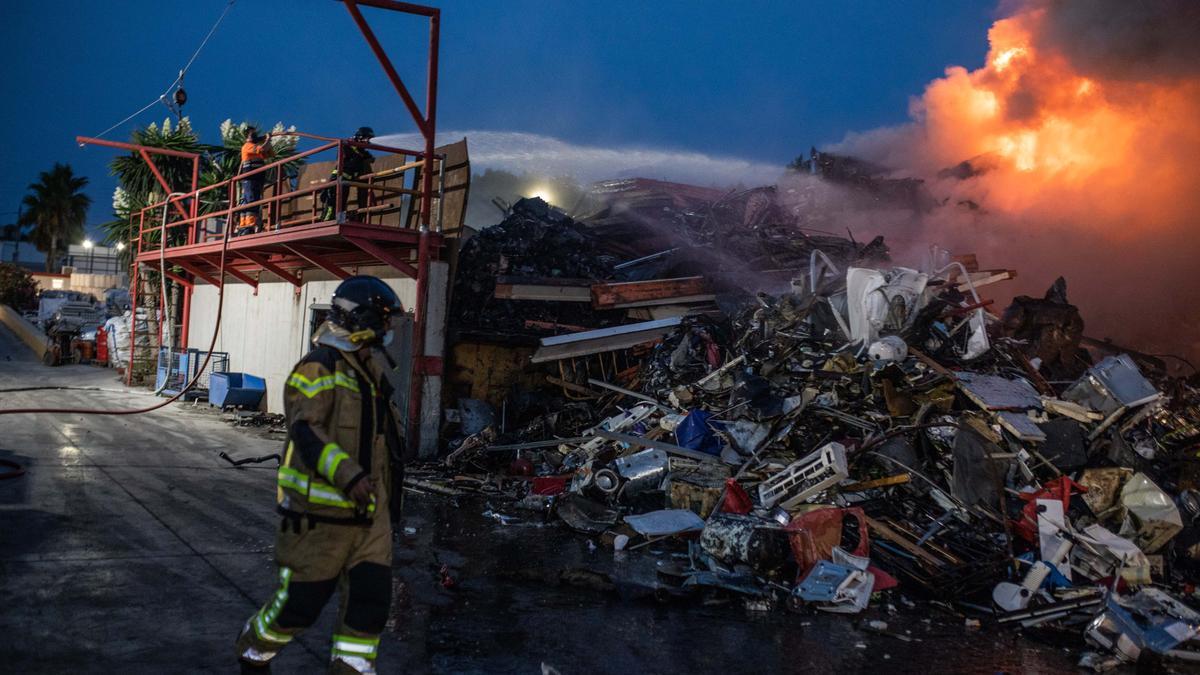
(17, 288)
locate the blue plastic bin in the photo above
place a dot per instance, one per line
(228, 390)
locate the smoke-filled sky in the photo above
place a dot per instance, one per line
(758, 81)
(1078, 117)
(1083, 129)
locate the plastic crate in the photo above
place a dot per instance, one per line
(177, 368)
(242, 390)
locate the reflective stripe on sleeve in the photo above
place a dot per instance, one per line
(320, 492)
(331, 457)
(292, 479)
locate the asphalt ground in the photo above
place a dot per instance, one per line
(130, 546)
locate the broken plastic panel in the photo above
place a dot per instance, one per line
(992, 392)
(666, 522)
(836, 588)
(1151, 517)
(1112, 384)
(805, 478)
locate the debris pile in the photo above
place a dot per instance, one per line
(869, 429)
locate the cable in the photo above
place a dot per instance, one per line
(163, 96)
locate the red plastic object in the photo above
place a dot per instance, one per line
(1060, 488)
(736, 499)
(102, 346)
(520, 467)
(548, 486)
(814, 534)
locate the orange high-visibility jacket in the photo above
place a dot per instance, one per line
(255, 152)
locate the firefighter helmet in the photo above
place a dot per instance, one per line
(363, 303)
(364, 134)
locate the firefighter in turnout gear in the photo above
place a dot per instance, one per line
(356, 162)
(335, 486)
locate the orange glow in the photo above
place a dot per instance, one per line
(1068, 145)
(1002, 60)
(1084, 154)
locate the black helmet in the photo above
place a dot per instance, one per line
(364, 303)
(364, 134)
(253, 135)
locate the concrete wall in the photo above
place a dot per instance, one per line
(266, 333)
(83, 282)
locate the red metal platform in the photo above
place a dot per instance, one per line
(337, 248)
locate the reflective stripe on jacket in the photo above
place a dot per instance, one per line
(336, 437)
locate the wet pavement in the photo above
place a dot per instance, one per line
(129, 546)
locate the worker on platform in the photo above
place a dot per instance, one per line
(356, 163)
(256, 150)
(335, 486)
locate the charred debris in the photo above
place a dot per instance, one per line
(809, 427)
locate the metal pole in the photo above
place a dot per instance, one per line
(187, 312)
(430, 130)
(427, 124)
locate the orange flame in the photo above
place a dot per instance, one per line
(1081, 170)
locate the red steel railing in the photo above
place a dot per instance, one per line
(271, 209)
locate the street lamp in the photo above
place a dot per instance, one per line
(120, 246)
(87, 243)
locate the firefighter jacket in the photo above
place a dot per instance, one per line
(356, 162)
(341, 429)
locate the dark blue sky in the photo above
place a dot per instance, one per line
(759, 80)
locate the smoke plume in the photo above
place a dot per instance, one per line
(1072, 151)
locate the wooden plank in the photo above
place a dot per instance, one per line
(982, 279)
(968, 260)
(543, 293)
(553, 326)
(667, 302)
(933, 365)
(896, 538)
(571, 386)
(624, 293)
(886, 481)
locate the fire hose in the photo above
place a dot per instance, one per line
(192, 383)
(250, 460)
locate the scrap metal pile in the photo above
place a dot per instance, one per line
(876, 429)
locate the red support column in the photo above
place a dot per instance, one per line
(133, 296)
(418, 342)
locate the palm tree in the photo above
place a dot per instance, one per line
(57, 208)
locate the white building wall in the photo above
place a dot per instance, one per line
(265, 334)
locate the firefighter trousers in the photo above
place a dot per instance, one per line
(314, 559)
